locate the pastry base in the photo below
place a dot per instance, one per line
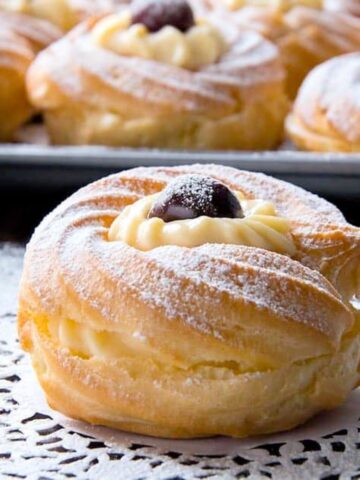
(307, 139)
(115, 394)
(14, 106)
(257, 127)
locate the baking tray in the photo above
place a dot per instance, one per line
(42, 166)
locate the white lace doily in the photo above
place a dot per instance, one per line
(38, 443)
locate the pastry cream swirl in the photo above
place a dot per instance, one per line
(200, 45)
(261, 227)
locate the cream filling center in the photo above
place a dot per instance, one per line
(135, 349)
(201, 45)
(261, 227)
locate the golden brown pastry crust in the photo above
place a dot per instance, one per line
(326, 113)
(251, 331)
(306, 37)
(87, 97)
(21, 37)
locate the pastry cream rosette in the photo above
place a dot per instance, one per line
(201, 45)
(261, 227)
(21, 38)
(326, 114)
(112, 83)
(306, 37)
(182, 341)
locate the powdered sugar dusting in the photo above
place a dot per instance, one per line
(332, 93)
(75, 60)
(139, 336)
(39, 33)
(243, 279)
(348, 6)
(72, 269)
(291, 201)
(195, 191)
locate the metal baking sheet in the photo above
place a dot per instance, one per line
(43, 166)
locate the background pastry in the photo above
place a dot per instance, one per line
(177, 86)
(272, 4)
(114, 343)
(345, 6)
(64, 13)
(306, 37)
(326, 113)
(21, 37)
